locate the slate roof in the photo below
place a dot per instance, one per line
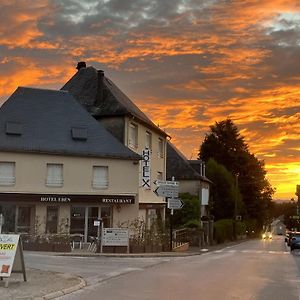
(179, 167)
(46, 121)
(102, 98)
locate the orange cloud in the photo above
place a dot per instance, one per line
(190, 69)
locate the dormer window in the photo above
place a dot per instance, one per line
(13, 128)
(79, 133)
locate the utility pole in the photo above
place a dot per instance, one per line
(298, 203)
(235, 205)
(171, 224)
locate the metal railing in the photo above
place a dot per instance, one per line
(180, 238)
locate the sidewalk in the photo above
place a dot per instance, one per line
(190, 252)
(40, 285)
(44, 285)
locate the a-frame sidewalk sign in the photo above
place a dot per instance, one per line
(11, 256)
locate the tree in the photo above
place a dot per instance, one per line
(223, 192)
(227, 147)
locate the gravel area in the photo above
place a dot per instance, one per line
(39, 283)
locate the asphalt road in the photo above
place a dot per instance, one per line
(252, 270)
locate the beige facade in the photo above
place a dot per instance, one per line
(118, 202)
(192, 186)
(150, 203)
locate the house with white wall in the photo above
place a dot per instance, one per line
(121, 117)
(60, 169)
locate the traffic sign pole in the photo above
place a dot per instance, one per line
(169, 190)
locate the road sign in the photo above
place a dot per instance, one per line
(170, 191)
(175, 203)
(159, 182)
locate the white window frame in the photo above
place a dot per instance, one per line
(7, 173)
(55, 176)
(133, 135)
(148, 141)
(102, 182)
(160, 151)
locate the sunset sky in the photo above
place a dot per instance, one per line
(186, 63)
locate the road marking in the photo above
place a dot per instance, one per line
(252, 251)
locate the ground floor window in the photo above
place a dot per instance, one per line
(8, 212)
(24, 217)
(83, 220)
(17, 218)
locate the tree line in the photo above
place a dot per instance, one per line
(238, 179)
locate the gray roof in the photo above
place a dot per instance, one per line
(102, 98)
(179, 167)
(48, 121)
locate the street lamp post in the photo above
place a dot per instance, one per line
(235, 206)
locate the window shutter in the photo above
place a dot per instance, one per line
(132, 135)
(100, 176)
(7, 173)
(54, 175)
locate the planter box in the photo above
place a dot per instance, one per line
(45, 247)
(137, 249)
(157, 248)
(30, 246)
(148, 248)
(62, 247)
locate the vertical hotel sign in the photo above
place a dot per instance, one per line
(146, 169)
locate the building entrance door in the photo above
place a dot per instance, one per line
(82, 221)
(92, 230)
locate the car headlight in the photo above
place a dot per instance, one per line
(263, 236)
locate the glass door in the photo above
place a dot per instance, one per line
(92, 230)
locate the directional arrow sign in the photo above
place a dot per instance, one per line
(159, 182)
(175, 203)
(170, 191)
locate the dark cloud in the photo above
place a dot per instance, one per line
(210, 59)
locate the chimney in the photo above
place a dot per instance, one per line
(80, 65)
(100, 87)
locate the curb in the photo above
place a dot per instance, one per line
(63, 292)
(174, 254)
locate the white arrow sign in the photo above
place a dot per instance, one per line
(175, 203)
(159, 182)
(169, 191)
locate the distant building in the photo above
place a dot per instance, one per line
(278, 227)
(60, 170)
(189, 173)
(120, 116)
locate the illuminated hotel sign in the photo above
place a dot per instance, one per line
(146, 169)
(68, 198)
(55, 199)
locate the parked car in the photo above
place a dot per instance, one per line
(267, 235)
(288, 237)
(295, 241)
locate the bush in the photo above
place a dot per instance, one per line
(223, 230)
(192, 224)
